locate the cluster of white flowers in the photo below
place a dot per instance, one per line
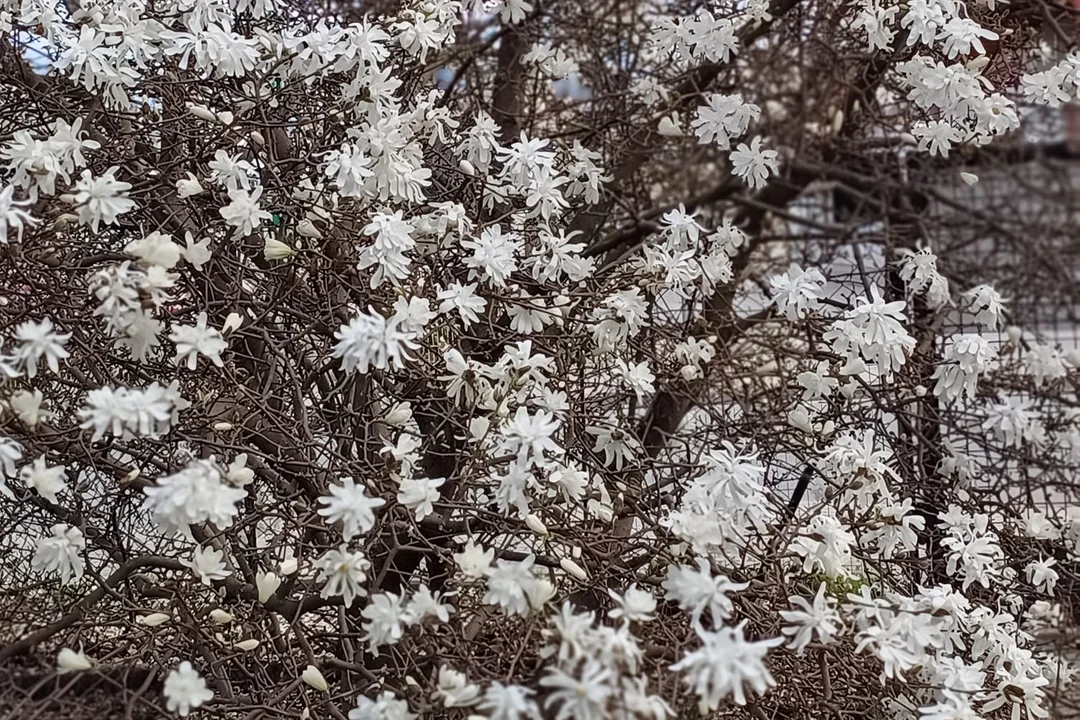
(724, 505)
(469, 372)
(197, 494)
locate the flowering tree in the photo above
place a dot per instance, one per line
(498, 360)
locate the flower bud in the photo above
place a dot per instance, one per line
(202, 112)
(267, 584)
(573, 568)
(314, 678)
(220, 617)
(536, 525)
(307, 228)
(155, 619)
(274, 249)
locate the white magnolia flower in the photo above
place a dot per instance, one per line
(618, 445)
(207, 564)
(371, 340)
(155, 249)
(796, 292)
(188, 186)
(725, 664)
(754, 164)
(424, 604)
(244, 212)
(1041, 574)
(633, 605)
(131, 412)
(343, 573)
(48, 481)
(509, 702)
(11, 453)
(474, 561)
(698, 590)
(196, 252)
(350, 505)
(68, 660)
(818, 619)
(58, 553)
(384, 620)
(198, 339)
(101, 200)
(238, 473)
(419, 494)
(454, 688)
(723, 118)
(38, 341)
(582, 695)
(193, 495)
(12, 215)
(385, 707)
(29, 407)
(512, 586)
(185, 690)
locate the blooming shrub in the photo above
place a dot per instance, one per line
(374, 362)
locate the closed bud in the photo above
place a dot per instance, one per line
(267, 584)
(247, 645)
(837, 121)
(573, 568)
(276, 250)
(314, 678)
(536, 524)
(155, 619)
(467, 168)
(202, 112)
(220, 617)
(307, 228)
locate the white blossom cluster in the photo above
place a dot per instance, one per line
(478, 430)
